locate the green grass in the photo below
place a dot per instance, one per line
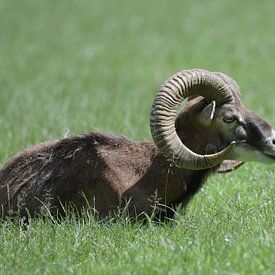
(84, 65)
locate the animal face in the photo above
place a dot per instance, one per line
(230, 131)
(254, 137)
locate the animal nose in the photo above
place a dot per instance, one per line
(273, 137)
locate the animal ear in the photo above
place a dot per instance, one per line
(207, 114)
(229, 166)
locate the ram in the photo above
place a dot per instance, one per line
(214, 132)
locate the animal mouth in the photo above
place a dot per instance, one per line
(270, 156)
(246, 152)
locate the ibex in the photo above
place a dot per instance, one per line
(214, 132)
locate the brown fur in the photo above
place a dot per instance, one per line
(97, 168)
(105, 172)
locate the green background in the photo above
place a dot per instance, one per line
(80, 65)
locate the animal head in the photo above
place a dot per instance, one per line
(214, 126)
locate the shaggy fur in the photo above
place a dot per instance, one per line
(105, 172)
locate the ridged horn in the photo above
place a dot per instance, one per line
(164, 110)
(230, 82)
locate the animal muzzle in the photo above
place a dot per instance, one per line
(269, 146)
(263, 151)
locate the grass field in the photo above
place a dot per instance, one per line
(84, 65)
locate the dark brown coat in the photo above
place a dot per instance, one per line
(105, 172)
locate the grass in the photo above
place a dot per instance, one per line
(95, 65)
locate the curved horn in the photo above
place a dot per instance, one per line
(230, 82)
(164, 111)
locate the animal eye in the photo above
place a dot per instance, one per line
(229, 119)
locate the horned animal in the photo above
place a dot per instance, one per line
(214, 132)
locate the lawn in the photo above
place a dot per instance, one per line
(80, 65)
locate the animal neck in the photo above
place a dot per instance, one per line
(176, 185)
